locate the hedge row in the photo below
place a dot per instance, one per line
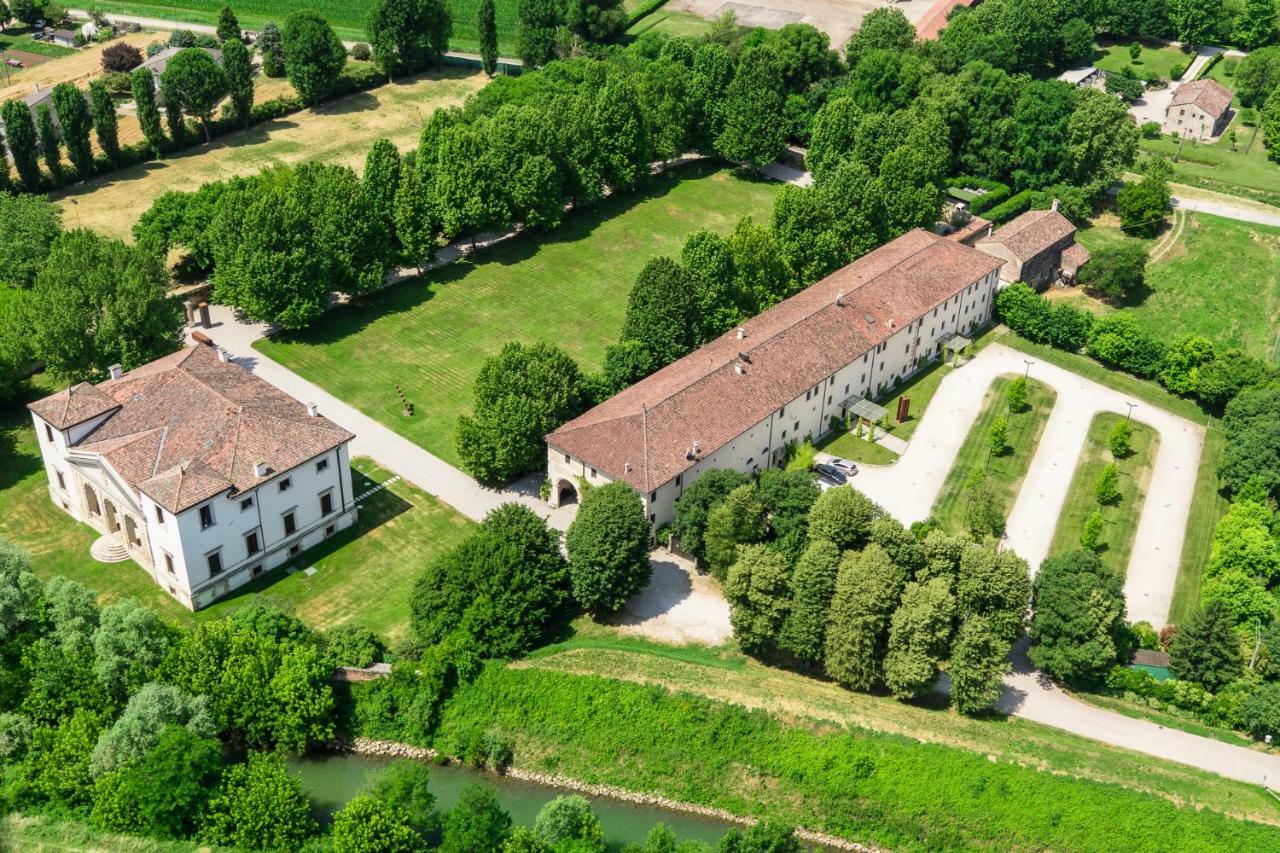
(996, 192)
(1011, 207)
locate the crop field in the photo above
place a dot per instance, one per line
(431, 334)
(347, 17)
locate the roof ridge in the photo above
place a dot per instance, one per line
(164, 434)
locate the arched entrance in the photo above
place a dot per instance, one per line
(91, 500)
(113, 520)
(566, 493)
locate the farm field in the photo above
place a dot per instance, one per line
(363, 575)
(341, 131)
(1219, 280)
(431, 334)
(66, 66)
(347, 17)
(1122, 517)
(723, 674)
(1166, 62)
(1004, 474)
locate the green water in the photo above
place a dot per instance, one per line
(331, 780)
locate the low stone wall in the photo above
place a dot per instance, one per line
(393, 749)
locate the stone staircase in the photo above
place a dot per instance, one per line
(109, 549)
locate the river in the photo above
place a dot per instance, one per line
(331, 780)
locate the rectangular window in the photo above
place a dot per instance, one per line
(290, 523)
(62, 483)
(566, 459)
(846, 389)
(784, 433)
(322, 465)
(159, 515)
(255, 571)
(782, 412)
(865, 356)
(246, 504)
(807, 394)
(653, 496)
(48, 431)
(206, 517)
(251, 543)
(168, 563)
(326, 503)
(329, 531)
(215, 563)
(593, 472)
(679, 478)
(295, 550)
(286, 484)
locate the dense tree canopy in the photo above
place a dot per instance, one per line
(1069, 641)
(608, 547)
(313, 55)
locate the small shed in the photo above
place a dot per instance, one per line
(63, 38)
(1155, 664)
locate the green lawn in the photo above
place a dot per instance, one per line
(849, 446)
(1122, 516)
(920, 388)
(671, 23)
(1243, 170)
(1004, 473)
(347, 17)
(1166, 62)
(570, 287)
(1221, 280)
(19, 38)
(363, 574)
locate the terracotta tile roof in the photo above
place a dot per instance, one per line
(933, 21)
(1207, 94)
(77, 404)
(642, 434)
(190, 426)
(972, 232)
(1031, 233)
(1074, 257)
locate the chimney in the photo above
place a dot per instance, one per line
(222, 355)
(840, 298)
(313, 410)
(116, 371)
(893, 324)
(741, 371)
(696, 449)
(1056, 203)
(626, 468)
(742, 333)
(260, 469)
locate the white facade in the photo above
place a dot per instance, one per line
(216, 546)
(809, 414)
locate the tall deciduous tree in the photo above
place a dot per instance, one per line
(867, 590)
(595, 20)
(813, 585)
(919, 637)
(537, 22)
(197, 81)
(49, 141)
(660, 311)
(74, 119)
(28, 226)
(978, 665)
(101, 303)
(621, 134)
(754, 131)
(164, 792)
(881, 29)
(835, 130)
(105, 124)
(20, 133)
(487, 31)
(259, 806)
(757, 588)
(843, 517)
(381, 180)
(415, 227)
(313, 55)
(238, 65)
(708, 261)
(694, 506)
(735, 521)
(1078, 627)
(608, 547)
(271, 46)
(408, 35)
(144, 98)
(477, 822)
(465, 194)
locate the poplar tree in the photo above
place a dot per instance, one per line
(21, 133)
(538, 21)
(105, 121)
(415, 229)
(755, 131)
(238, 66)
(867, 589)
(313, 55)
(487, 27)
(49, 141)
(381, 182)
(73, 118)
(144, 98)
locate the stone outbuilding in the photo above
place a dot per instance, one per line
(1038, 248)
(1200, 109)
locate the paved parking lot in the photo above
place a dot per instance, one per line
(837, 18)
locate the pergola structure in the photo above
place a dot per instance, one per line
(866, 409)
(953, 346)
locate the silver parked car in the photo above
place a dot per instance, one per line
(846, 467)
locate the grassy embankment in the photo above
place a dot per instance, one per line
(1122, 517)
(431, 334)
(1004, 473)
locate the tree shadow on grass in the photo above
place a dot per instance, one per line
(16, 466)
(411, 294)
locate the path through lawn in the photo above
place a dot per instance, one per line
(430, 335)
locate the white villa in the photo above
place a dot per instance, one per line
(197, 470)
(782, 376)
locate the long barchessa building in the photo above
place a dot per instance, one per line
(781, 377)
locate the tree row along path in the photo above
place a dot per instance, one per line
(909, 487)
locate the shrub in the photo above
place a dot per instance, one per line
(1091, 535)
(1260, 713)
(1017, 398)
(1150, 130)
(361, 52)
(569, 820)
(120, 56)
(1120, 440)
(998, 436)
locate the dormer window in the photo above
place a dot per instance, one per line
(206, 517)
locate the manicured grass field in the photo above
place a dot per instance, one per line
(1004, 473)
(339, 132)
(671, 23)
(1220, 280)
(364, 574)
(347, 17)
(920, 389)
(1166, 62)
(430, 335)
(849, 446)
(726, 675)
(1122, 516)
